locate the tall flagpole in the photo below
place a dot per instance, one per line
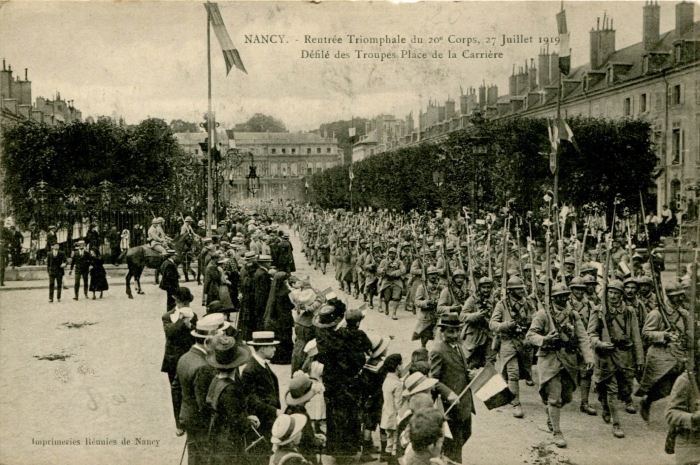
(556, 135)
(210, 124)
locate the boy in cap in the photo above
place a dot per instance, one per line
(301, 391)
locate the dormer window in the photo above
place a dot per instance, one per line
(645, 64)
(677, 51)
(585, 82)
(610, 76)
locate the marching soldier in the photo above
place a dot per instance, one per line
(583, 307)
(391, 271)
(510, 321)
(426, 302)
(617, 343)
(668, 350)
(454, 295)
(423, 262)
(323, 250)
(476, 314)
(562, 341)
(646, 294)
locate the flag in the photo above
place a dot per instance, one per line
(564, 50)
(352, 176)
(490, 387)
(565, 133)
(351, 132)
(441, 408)
(554, 142)
(231, 55)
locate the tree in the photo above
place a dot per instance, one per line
(178, 125)
(261, 123)
(83, 155)
(614, 157)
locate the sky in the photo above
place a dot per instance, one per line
(149, 59)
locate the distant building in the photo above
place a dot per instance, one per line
(382, 133)
(16, 105)
(282, 159)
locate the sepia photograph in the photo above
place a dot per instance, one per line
(392, 232)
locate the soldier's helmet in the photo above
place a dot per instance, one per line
(486, 281)
(515, 283)
(578, 283)
(560, 289)
(617, 285)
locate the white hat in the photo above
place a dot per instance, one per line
(311, 348)
(417, 382)
(210, 325)
(262, 338)
(286, 427)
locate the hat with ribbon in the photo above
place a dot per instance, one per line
(379, 345)
(263, 338)
(300, 389)
(210, 325)
(286, 427)
(327, 317)
(418, 382)
(225, 353)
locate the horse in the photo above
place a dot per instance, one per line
(143, 256)
(188, 249)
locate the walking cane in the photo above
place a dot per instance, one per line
(183, 452)
(254, 443)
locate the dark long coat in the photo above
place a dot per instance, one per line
(285, 257)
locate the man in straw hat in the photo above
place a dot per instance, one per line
(286, 436)
(192, 379)
(231, 421)
(448, 364)
(262, 387)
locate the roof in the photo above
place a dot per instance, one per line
(370, 138)
(281, 138)
(188, 138)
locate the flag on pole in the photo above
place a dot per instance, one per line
(352, 176)
(231, 55)
(565, 133)
(554, 142)
(490, 387)
(351, 132)
(564, 50)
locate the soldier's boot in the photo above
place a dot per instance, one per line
(644, 407)
(371, 301)
(323, 268)
(364, 297)
(383, 454)
(386, 308)
(549, 420)
(393, 306)
(615, 415)
(606, 409)
(585, 389)
(355, 291)
(554, 415)
(630, 408)
(518, 411)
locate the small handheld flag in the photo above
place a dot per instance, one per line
(490, 387)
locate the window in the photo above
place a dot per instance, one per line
(319, 167)
(318, 150)
(196, 151)
(284, 151)
(294, 151)
(328, 150)
(627, 107)
(645, 64)
(308, 150)
(273, 169)
(676, 146)
(643, 103)
(309, 168)
(676, 95)
(273, 151)
(294, 169)
(677, 53)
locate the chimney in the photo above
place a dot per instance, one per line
(3, 64)
(492, 95)
(554, 73)
(512, 83)
(652, 19)
(602, 42)
(533, 76)
(482, 95)
(685, 13)
(543, 68)
(26, 74)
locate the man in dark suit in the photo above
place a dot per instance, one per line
(55, 265)
(170, 280)
(448, 365)
(80, 260)
(203, 256)
(192, 379)
(260, 286)
(263, 390)
(285, 256)
(177, 324)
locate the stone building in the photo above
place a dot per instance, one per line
(657, 79)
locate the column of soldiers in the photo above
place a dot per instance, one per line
(595, 317)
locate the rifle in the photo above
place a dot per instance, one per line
(517, 240)
(606, 270)
(548, 263)
(470, 261)
(560, 244)
(447, 274)
(504, 265)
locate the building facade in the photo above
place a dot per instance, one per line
(283, 161)
(382, 133)
(657, 79)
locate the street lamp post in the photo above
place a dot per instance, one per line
(252, 180)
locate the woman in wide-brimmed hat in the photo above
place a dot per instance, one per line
(226, 392)
(301, 391)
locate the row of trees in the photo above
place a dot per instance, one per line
(499, 161)
(82, 155)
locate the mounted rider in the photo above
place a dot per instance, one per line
(187, 227)
(156, 236)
